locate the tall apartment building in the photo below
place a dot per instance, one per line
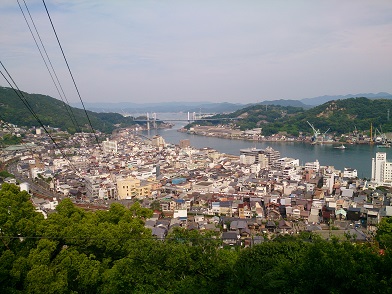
(272, 155)
(381, 169)
(93, 185)
(260, 156)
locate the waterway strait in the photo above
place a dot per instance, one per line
(354, 156)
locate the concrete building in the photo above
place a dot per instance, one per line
(350, 173)
(92, 186)
(109, 146)
(158, 141)
(381, 169)
(252, 153)
(128, 188)
(185, 143)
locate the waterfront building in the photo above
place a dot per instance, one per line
(185, 143)
(252, 153)
(272, 155)
(381, 169)
(247, 160)
(261, 155)
(314, 166)
(350, 173)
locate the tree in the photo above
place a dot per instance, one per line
(384, 233)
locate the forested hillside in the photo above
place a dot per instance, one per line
(340, 116)
(74, 251)
(54, 113)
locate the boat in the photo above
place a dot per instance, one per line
(387, 145)
(340, 147)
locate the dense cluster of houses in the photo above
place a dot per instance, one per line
(243, 197)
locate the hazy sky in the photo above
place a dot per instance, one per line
(199, 50)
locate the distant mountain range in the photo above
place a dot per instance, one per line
(322, 99)
(210, 107)
(287, 115)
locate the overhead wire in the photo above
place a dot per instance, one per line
(21, 96)
(70, 72)
(67, 107)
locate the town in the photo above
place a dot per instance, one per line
(244, 199)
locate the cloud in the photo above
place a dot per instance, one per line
(217, 50)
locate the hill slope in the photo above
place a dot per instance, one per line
(54, 113)
(340, 116)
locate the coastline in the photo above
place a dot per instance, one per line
(232, 134)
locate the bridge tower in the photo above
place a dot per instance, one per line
(154, 120)
(148, 121)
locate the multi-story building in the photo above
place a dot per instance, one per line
(329, 181)
(185, 143)
(251, 153)
(350, 173)
(109, 146)
(128, 188)
(381, 169)
(93, 185)
(314, 166)
(260, 156)
(158, 141)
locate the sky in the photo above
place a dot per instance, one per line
(197, 50)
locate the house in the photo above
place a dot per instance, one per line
(285, 226)
(230, 238)
(270, 226)
(257, 240)
(159, 232)
(373, 217)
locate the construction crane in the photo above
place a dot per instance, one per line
(325, 133)
(316, 133)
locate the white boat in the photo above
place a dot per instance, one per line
(340, 147)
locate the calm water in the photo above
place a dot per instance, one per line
(354, 156)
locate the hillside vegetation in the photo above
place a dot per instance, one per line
(55, 113)
(74, 251)
(340, 116)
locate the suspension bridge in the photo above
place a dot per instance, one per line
(192, 117)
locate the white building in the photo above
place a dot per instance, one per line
(247, 160)
(314, 166)
(109, 146)
(329, 181)
(350, 173)
(381, 169)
